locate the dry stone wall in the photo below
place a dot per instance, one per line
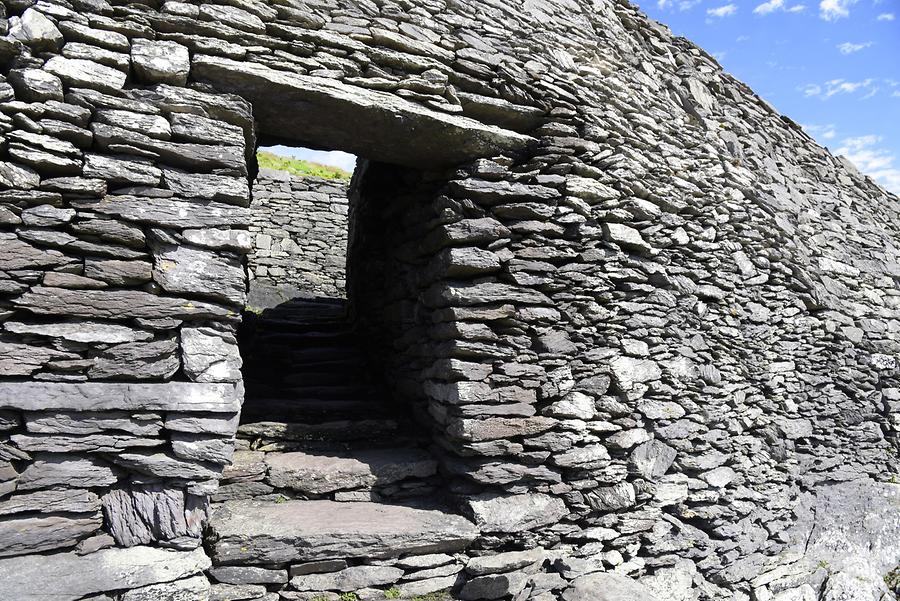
(299, 229)
(651, 326)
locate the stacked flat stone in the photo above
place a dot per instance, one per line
(649, 324)
(299, 229)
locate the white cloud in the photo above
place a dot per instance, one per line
(850, 48)
(722, 11)
(832, 10)
(768, 7)
(886, 17)
(863, 151)
(743, 38)
(835, 87)
(810, 90)
(797, 8)
(895, 95)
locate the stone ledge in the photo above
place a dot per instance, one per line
(93, 396)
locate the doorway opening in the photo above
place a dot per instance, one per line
(318, 420)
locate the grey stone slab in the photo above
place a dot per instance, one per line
(97, 396)
(443, 139)
(168, 212)
(607, 586)
(79, 331)
(78, 72)
(317, 474)
(141, 515)
(210, 355)
(61, 500)
(87, 422)
(72, 577)
(62, 470)
(118, 304)
(184, 269)
(515, 513)
(195, 588)
(265, 533)
(152, 360)
(159, 61)
(25, 535)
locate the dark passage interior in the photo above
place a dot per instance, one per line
(318, 421)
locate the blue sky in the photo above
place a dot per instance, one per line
(831, 65)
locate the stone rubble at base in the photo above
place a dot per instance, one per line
(649, 325)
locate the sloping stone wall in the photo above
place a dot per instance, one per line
(299, 229)
(648, 320)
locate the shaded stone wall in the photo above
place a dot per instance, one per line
(299, 230)
(649, 321)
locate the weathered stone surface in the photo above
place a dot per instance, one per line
(88, 422)
(60, 470)
(18, 176)
(168, 212)
(320, 473)
(35, 85)
(37, 31)
(25, 359)
(79, 331)
(51, 501)
(202, 129)
(652, 459)
(163, 465)
(154, 360)
(183, 269)
(607, 586)
(221, 188)
(16, 254)
(159, 61)
(120, 171)
(210, 355)
(349, 579)
(72, 577)
(515, 513)
(248, 575)
(77, 72)
(118, 273)
(260, 533)
(172, 396)
(141, 515)
(23, 535)
(504, 562)
(119, 304)
(202, 447)
(190, 589)
(442, 139)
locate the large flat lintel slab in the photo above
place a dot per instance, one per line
(259, 532)
(377, 125)
(114, 396)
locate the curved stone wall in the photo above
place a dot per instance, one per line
(649, 325)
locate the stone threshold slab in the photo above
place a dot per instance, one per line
(257, 532)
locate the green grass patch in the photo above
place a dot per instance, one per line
(268, 160)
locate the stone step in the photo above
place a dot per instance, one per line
(334, 431)
(316, 411)
(320, 474)
(263, 533)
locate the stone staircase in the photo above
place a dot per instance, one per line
(326, 475)
(315, 424)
